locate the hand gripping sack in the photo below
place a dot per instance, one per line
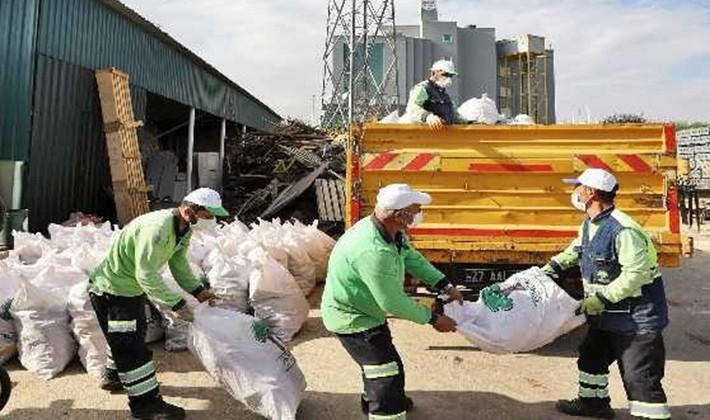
(523, 313)
(256, 369)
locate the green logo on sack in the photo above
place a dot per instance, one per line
(496, 299)
(259, 330)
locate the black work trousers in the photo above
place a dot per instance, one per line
(641, 359)
(382, 371)
(123, 322)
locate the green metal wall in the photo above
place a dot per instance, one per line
(17, 37)
(98, 34)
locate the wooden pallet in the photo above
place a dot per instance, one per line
(129, 185)
(330, 195)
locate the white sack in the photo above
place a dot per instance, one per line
(318, 245)
(277, 299)
(263, 376)
(529, 311)
(481, 110)
(523, 119)
(46, 346)
(87, 331)
(176, 330)
(391, 118)
(229, 279)
(155, 330)
(10, 283)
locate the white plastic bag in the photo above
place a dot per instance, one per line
(523, 313)
(391, 118)
(155, 329)
(229, 278)
(277, 299)
(46, 345)
(264, 376)
(176, 330)
(85, 326)
(10, 283)
(318, 245)
(481, 110)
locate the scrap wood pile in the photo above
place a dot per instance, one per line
(273, 174)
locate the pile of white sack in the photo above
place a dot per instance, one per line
(523, 313)
(47, 319)
(481, 110)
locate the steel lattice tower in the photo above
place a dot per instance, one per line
(360, 57)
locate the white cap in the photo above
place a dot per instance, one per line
(446, 66)
(399, 196)
(596, 178)
(209, 199)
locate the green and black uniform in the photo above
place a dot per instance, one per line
(364, 285)
(118, 289)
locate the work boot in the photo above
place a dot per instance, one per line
(581, 408)
(111, 382)
(365, 406)
(157, 409)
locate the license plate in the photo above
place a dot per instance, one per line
(485, 275)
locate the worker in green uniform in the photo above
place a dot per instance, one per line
(364, 285)
(428, 101)
(625, 304)
(130, 273)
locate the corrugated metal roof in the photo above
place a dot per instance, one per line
(68, 170)
(105, 33)
(17, 38)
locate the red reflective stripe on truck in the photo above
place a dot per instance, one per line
(380, 161)
(673, 211)
(517, 233)
(508, 167)
(419, 162)
(593, 161)
(669, 135)
(636, 163)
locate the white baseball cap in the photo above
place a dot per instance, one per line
(399, 196)
(209, 199)
(447, 66)
(596, 178)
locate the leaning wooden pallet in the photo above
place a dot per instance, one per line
(129, 186)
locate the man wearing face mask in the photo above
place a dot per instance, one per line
(624, 302)
(429, 102)
(365, 284)
(130, 273)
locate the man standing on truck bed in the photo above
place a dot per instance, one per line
(364, 284)
(624, 302)
(131, 271)
(428, 101)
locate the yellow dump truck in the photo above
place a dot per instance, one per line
(498, 201)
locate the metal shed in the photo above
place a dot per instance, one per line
(50, 118)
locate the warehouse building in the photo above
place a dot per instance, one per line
(53, 156)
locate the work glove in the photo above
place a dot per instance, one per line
(453, 294)
(207, 296)
(547, 269)
(184, 313)
(434, 121)
(591, 305)
(259, 330)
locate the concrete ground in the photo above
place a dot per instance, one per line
(446, 377)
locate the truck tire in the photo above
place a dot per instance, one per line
(5, 387)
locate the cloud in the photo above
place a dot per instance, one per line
(626, 56)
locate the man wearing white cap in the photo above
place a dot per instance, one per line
(428, 101)
(365, 284)
(130, 273)
(625, 304)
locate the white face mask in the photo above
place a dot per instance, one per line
(417, 220)
(578, 203)
(204, 224)
(444, 82)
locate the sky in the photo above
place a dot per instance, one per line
(629, 56)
